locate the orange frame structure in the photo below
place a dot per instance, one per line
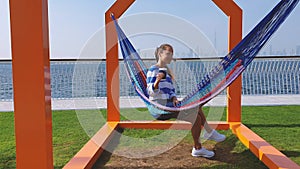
(31, 83)
(86, 157)
(32, 100)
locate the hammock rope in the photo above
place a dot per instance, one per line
(221, 76)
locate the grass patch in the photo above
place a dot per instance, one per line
(279, 125)
(7, 141)
(68, 136)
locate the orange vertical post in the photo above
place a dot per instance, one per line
(234, 91)
(112, 59)
(31, 83)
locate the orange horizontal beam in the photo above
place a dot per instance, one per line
(174, 125)
(92, 150)
(269, 155)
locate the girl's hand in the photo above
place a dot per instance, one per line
(159, 76)
(175, 101)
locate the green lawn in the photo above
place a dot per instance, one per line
(279, 125)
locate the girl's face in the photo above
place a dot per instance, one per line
(166, 55)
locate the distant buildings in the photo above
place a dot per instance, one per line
(298, 50)
(270, 51)
(190, 53)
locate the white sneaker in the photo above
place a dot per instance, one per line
(202, 153)
(214, 135)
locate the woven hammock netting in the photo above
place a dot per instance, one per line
(219, 77)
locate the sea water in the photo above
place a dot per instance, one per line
(85, 79)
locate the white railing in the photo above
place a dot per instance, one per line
(87, 78)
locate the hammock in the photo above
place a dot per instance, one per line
(226, 71)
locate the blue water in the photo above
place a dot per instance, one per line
(88, 79)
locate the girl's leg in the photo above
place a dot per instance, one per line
(196, 130)
(194, 118)
(210, 133)
(203, 120)
(198, 150)
(197, 122)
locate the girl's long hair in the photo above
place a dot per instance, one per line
(159, 50)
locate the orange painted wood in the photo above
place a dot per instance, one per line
(234, 91)
(269, 155)
(31, 83)
(92, 150)
(174, 125)
(112, 62)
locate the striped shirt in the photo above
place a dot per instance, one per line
(165, 89)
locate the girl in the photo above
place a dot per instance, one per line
(161, 90)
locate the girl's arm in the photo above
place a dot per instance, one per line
(153, 79)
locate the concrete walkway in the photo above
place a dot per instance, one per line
(100, 103)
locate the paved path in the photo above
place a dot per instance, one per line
(97, 103)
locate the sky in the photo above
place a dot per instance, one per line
(78, 25)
